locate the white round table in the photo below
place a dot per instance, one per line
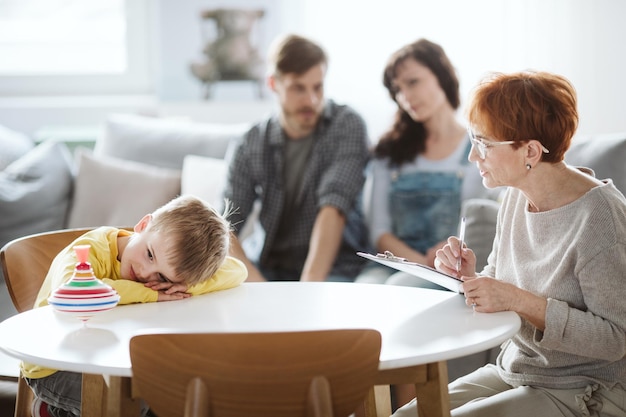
(418, 326)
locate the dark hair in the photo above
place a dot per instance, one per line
(527, 105)
(293, 54)
(406, 138)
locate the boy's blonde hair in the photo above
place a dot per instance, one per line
(200, 236)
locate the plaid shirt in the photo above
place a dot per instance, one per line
(334, 177)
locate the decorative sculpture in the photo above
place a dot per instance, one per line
(83, 295)
(231, 56)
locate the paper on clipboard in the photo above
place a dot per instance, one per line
(419, 270)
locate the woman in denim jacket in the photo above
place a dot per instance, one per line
(420, 173)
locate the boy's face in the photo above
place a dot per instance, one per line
(146, 256)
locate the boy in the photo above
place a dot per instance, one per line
(178, 251)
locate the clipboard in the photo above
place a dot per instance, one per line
(419, 270)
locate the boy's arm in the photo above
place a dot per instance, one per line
(232, 273)
(132, 292)
(254, 275)
(60, 272)
(63, 268)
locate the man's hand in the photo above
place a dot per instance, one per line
(324, 244)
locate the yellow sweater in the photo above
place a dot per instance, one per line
(103, 259)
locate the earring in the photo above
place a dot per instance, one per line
(528, 166)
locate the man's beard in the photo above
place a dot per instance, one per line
(304, 118)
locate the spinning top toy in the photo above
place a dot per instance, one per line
(83, 295)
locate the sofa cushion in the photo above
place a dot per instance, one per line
(115, 192)
(35, 191)
(204, 177)
(605, 154)
(481, 215)
(14, 145)
(164, 142)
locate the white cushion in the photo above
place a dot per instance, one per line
(115, 192)
(204, 177)
(35, 191)
(164, 142)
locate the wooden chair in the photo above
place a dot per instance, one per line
(25, 263)
(315, 373)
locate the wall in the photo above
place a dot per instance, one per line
(577, 38)
(182, 35)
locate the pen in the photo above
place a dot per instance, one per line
(461, 239)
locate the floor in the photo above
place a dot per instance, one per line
(8, 389)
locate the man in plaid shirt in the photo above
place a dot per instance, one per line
(306, 167)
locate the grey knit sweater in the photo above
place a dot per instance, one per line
(575, 256)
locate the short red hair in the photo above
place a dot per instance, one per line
(526, 105)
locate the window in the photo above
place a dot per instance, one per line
(68, 47)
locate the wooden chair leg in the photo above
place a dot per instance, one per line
(378, 401)
(432, 397)
(320, 403)
(94, 395)
(197, 400)
(119, 400)
(24, 399)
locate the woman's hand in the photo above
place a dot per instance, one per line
(488, 295)
(448, 256)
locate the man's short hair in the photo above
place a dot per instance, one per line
(293, 54)
(201, 237)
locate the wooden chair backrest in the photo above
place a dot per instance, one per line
(290, 374)
(26, 260)
(25, 263)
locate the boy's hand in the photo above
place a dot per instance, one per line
(169, 291)
(167, 287)
(165, 296)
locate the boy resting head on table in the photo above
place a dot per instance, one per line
(179, 250)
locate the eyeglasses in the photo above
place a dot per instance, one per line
(482, 145)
